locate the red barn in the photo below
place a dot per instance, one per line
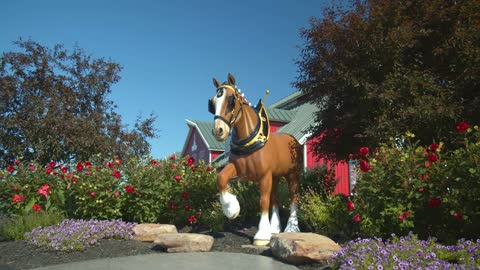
(292, 115)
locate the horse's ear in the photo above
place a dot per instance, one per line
(216, 83)
(231, 79)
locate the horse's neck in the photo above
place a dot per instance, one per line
(246, 123)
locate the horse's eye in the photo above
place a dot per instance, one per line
(220, 92)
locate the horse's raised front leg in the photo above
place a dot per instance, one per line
(230, 205)
(292, 224)
(264, 233)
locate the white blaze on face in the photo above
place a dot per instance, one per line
(218, 101)
(221, 128)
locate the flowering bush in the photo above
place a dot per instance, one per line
(78, 235)
(174, 190)
(430, 190)
(407, 253)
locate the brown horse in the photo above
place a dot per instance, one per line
(256, 156)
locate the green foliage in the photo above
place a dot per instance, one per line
(174, 190)
(432, 191)
(378, 68)
(54, 106)
(320, 180)
(15, 227)
(327, 216)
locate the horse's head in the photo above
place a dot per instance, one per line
(226, 105)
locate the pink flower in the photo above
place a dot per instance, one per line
(36, 207)
(92, 194)
(406, 214)
(31, 167)
(458, 216)
(17, 198)
(350, 206)
(363, 151)
(177, 178)
(185, 195)
(357, 218)
(116, 194)
(192, 218)
(364, 166)
(44, 190)
(400, 217)
(462, 127)
(186, 207)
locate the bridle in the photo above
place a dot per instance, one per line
(230, 103)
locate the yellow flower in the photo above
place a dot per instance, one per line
(469, 130)
(373, 161)
(475, 127)
(409, 134)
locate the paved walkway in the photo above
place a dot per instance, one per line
(179, 261)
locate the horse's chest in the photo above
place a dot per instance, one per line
(248, 169)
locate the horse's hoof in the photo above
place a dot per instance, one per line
(260, 242)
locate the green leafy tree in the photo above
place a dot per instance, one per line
(54, 106)
(381, 68)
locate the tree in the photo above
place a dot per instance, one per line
(381, 68)
(54, 106)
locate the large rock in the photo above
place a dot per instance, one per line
(149, 232)
(300, 248)
(185, 242)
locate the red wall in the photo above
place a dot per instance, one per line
(341, 170)
(215, 154)
(275, 125)
(201, 151)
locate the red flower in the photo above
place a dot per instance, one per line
(48, 170)
(421, 189)
(116, 174)
(357, 218)
(364, 166)
(177, 178)
(193, 168)
(192, 218)
(427, 164)
(92, 194)
(186, 207)
(363, 151)
(173, 157)
(52, 164)
(88, 172)
(129, 189)
(118, 162)
(434, 146)
(110, 165)
(36, 207)
(116, 194)
(64, 169)
(31, 167)
(44, 190)
(185, 195)
(88, 164)
(153, 162)
(462, 127)
(172, 206)
(80, 166)
(18, 198)
(350, 156)
(406, 214)
(209, 168)
(190, 161)
(435, 202)
(432, 157)
(400, 217)
(458, 216)
(16, 162)
(10, 168)
(350, 206)
(172, 166)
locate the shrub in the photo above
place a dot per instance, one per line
(78, 235)
(406, 253)
(319, 179)
(174, 190)
(432, 190)
(15, 227)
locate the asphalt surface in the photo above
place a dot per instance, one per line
(179, 261)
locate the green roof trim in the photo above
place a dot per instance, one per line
(205, 130)
(300, 126)
(286, 99)
(280, 115)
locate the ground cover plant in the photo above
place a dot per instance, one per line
(78, 235)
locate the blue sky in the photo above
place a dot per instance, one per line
(170, 50)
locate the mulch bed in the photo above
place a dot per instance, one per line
(19, 255)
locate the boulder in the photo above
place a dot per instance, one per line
(184, 242)
(149, 232)
(300, 248)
